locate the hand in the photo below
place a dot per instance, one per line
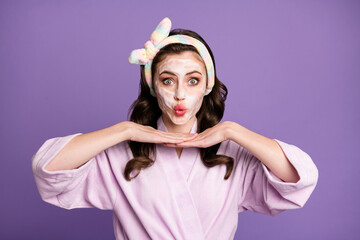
(211, 136)
(140, 133)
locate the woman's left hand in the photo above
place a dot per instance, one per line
(209, 137)
(267, 150)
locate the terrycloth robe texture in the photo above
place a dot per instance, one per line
(175, 198)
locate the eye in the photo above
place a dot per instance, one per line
(193, 81)
(167, 81)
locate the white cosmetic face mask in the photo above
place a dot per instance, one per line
(180, 86)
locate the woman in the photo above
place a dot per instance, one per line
(174, 171)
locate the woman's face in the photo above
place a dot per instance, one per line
(180, 84)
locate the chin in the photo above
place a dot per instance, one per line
(180, 120)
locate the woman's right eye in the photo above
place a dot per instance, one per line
(167, 81)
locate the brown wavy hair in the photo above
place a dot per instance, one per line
(145, 110)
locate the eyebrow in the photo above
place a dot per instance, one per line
(175, 74)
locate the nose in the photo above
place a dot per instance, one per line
(180, 93)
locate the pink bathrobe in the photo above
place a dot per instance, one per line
(174, 198)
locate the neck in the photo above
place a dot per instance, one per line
(184, 128)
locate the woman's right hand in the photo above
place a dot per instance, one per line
(85, 146)
(140, 133)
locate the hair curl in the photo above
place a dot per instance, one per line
(145, 110)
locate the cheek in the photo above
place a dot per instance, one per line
(165, 98)
(195, 99)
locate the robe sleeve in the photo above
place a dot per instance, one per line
(261, 191)
(90, 185)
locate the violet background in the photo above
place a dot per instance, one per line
(291, 67)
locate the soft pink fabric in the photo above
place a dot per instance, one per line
(175, 198)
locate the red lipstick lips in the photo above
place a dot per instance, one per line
(180, 110)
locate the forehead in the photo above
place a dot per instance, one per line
(188, 58)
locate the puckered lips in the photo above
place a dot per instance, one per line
(180, 110)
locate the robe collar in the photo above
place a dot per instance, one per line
(178, 174)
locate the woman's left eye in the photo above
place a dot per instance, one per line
(193, 81)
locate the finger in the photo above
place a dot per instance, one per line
(167, 139)
(191, 144)
(161, 138)
(149, 134)
(191, 136)
(177, 138)
(201, 142)
(185, 136)
(155, 138)
(170, 145)
(200, 137)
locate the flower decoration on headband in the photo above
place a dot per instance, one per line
(159, 39)
(144, 55)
